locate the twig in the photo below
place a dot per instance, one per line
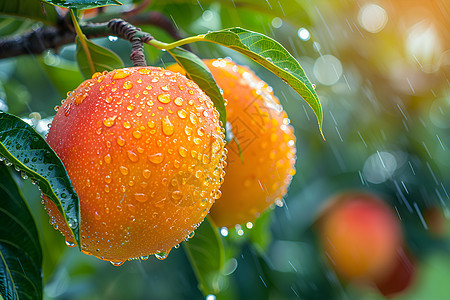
(127, 31)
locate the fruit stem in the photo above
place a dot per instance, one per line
(82, 38)
(165, 46)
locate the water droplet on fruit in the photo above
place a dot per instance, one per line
(132, 156)
(144, 71)
(178, 101)
(167, 126)
(116, 263)
(137, 134)
(107, 158)
(197, 141)
(194, 119)
(108, 99)
(165, 88)
(127, 85)
(146, 173)
(183, 151)
(162, 255)
(201, 131)
(156, 158)
(151, 124)
(164, 98)
(130, 107)
(188, 130)
(119, 74)
(108, 122)
(182, 113)
(120, 141)
(177, 195)
(145, 257)
(108, 179)
(140, 197)
(70, 244)
(123, 170)
(126, 124)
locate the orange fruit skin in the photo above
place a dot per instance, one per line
(361, 236)
(266, 140)
(144, 150)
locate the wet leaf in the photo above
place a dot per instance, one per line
(274, 57)
(102, 58)
(22, 146)
(20, 249)
(30, 9)
(200, 74)
(206, 254)
(83, 4)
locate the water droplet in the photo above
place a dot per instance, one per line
(107, 158)
(137, 134)
(178, 101)
(156, 158)
(151, 124)
(108, 179)
(119, 74)
(165, 88)
(177, 195)
(108, 99)
(206, 159)
(140, 197)
(162, 255)
(197, 141)
(201, 131)
(108, 144)
(108, 122)
(130, 107)
(182, 113)
(167, 126)
(146, 173)
(127, 85)
(70, 244)
(73, 223)
(123, 170)
(217, 194)
(164, 98)
(144, 71)
(194, 119)
(116, 263)
(126, 124)
(132, 156)
(120, 141)
(188, 130)
(183, 151)
(155, 79)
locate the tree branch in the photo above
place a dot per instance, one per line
(44, 38)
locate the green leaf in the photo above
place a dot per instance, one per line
(22, 146)
(64, 74)
(82, 4)
(20, 249)
(206, 254)
(197, 71)
(274, 57)
(30, 9)
(103, 59)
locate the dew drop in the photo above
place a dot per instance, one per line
(140, 197)
(146, 173)
(116, 263)
(151, 124)
(177, 195)
(164, 98)
(132, 156)
(70, 244)
(119, 74)
(193, 118)
(73, 223)
(130, 107)
(127, 85)
(156, 158)
(165, 88)
(201, 131)
(178, 101)
(108, 179)
(144, 71)
(126, 124)
(188, 130)
(120, 141)
(145, 257)
(137, 134)
(162, 255)
(167, 126)
(108, 99)
(182, 113)
(108, 122)
(183, 151)
(107, 158)
(123, 170)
